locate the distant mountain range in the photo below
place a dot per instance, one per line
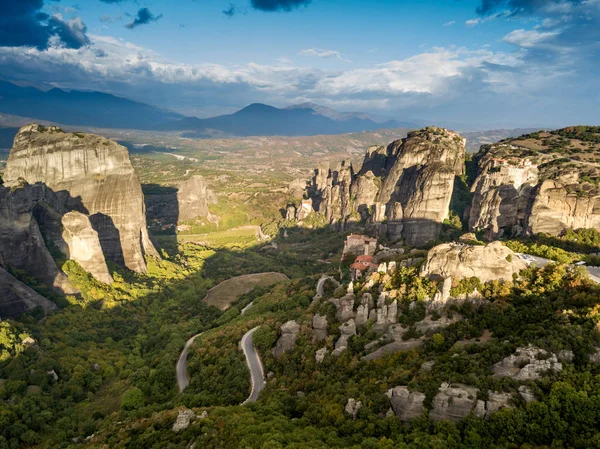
(264, 120)
(80, 108)
(101, 110)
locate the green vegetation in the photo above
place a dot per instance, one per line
(555, 308)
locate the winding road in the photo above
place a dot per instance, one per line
(257, 375)
(182, 376)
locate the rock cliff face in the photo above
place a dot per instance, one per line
(91, 175)
(529, 185)
(22, 245)
(194, 198)
(17, 298)
(457, 261)
(401, 191)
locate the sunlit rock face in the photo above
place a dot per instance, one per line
(402, 191)
(519, 191)
(92, 175)
(458, 261)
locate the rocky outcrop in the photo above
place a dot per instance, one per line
(527, 363)
(319, 324)
(407, 405)
(22, 245)
(347, 330)
(83, 245)
(92, 175)
(184, 418)
(557, 206)
(455, 402)
(353, 407)
(17, 298)
(402, 191)
(194, 198)
(457, 261)
(287, 341)
(527, 188)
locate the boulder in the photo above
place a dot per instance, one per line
(287, 341)
(407, 405)
(454, 402)
(320, 354)
(319, 327)
(183, 420)
(353, 407)
(527, 363)
(458, 261)
(347, 330)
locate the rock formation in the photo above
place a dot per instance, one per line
(194, 198)
(454, 402)
(347, 330)
(287, 341)
(22, 245)
(457, 260)
(525, 186)
(92, 175)
(402, 191)
(17, 298)
(407, 405)
(527, 363)
(319, 327)
(83, 245)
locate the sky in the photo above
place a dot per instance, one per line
(483, 63)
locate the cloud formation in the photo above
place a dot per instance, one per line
(22, 23)
(279, 5)
(322, 53)
(143, 17)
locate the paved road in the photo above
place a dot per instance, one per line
(257, 375)
(182, 376)
(321, 285)
(593, 272)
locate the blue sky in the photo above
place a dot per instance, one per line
(487, 63)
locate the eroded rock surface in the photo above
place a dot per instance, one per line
(194, 198)
(454, 402)
(456, 260)
(287, 341)
(407, 405)
(525, 186)
(527, 363)
(402, 190)
(92, 175)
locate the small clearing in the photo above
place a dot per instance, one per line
(227, 291)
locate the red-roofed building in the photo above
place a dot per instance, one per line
(362, 264)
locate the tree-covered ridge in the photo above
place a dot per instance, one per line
(114, 349)
(555, 308)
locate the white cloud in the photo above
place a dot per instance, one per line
(472, 22)
(528, 39)
(434, 76)
(322, 53)
(450, 23)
